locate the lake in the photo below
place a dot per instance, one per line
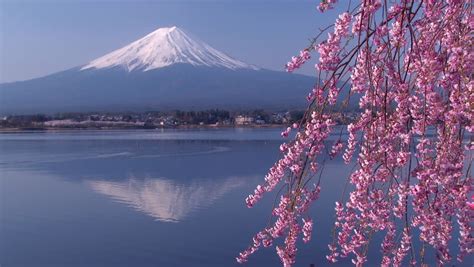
(146, 198)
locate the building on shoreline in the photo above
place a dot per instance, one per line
(244, 120)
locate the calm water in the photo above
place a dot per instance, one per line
(145, 198)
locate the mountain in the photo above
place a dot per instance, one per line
(166, 69)
(165, 47)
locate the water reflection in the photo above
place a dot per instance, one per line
(164, 199)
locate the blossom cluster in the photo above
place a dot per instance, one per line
(326, 5)
(330, 49)
(297, 61)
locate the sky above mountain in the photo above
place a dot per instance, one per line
(42, 37)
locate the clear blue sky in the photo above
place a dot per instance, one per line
(43, 37)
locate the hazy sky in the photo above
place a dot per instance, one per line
(43, 37)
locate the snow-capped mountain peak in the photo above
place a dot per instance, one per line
(165, 47)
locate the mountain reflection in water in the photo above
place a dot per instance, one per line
(164, 199)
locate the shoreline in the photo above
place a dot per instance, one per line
(65, 129)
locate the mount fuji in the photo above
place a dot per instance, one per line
(165, 47)
(166, 69)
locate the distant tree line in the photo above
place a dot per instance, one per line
(211, 116)
(153, 119)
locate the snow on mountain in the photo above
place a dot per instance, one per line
(165, 47)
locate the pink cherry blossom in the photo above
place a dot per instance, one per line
(297, 61)
(410, 64)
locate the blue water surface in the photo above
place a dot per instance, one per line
(147, 198)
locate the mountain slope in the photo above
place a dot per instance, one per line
(179, 86)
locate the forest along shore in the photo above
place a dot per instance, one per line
(155, 120)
